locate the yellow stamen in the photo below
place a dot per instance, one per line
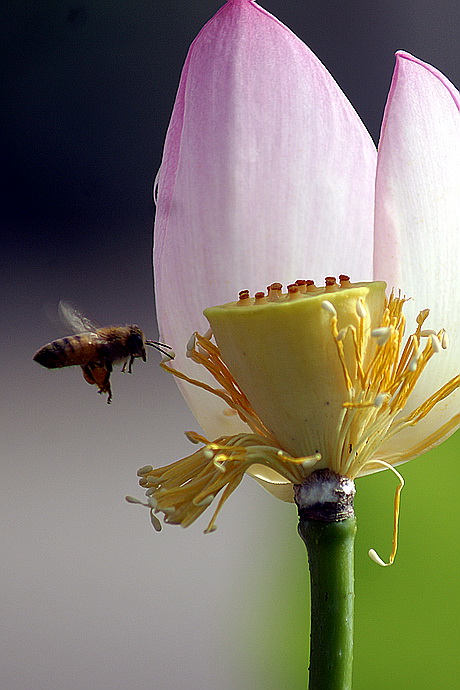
(184, 489)
(397, 501)
(341, 351)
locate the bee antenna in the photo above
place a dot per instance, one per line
(165, 350)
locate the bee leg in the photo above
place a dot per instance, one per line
(105, 386)
(130, 365)
(88, 374)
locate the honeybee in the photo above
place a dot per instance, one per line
(95, 349)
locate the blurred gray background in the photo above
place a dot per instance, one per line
(91, 597)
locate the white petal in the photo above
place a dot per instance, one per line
(267, 175)
(417, 224)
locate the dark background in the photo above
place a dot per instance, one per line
(91, 597)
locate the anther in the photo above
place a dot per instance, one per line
(414, 363)
(218, 464)
(422, 317)
(152, 502)
(191, 436)
(382, 335)
(208, 334)
(137, 501)
(206, 501)
(427, 332)
(331, 285)
(311, 287)
(436, 343)
(329, 307)
(444, 340)
(373, 555)
(380, 399)
(202, 351)
(344, 281)
(309, 462)
(341, 334)
(144, 470)
(190, 347)
(156, 524)
(361, 308)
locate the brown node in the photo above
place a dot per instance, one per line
(260, 298)
(302, 285)
(331, 285)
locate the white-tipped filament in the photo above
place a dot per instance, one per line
(329, 307)
(361, 308)
(379, 369)
(397, 501)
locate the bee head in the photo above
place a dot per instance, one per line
(135, 342)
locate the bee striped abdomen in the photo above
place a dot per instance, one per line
(66, 352)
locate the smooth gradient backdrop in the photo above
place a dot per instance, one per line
(91, 597)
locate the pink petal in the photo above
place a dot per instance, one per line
(267, 175)
(417, 223)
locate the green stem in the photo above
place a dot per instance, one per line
(330, 556)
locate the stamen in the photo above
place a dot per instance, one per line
(156, 524)
(435, 343)
(372, 553)
(382, 335)
(329, 307)
(380, 399)
(192, 437)
(204, 501)
(344, 281)
(191, 343)
(422, 317)
(360, 308)
(144, 470)
(379, 381)
(133, 499)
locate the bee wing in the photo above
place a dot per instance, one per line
(75, 320)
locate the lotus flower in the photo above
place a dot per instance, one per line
(269, 174)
